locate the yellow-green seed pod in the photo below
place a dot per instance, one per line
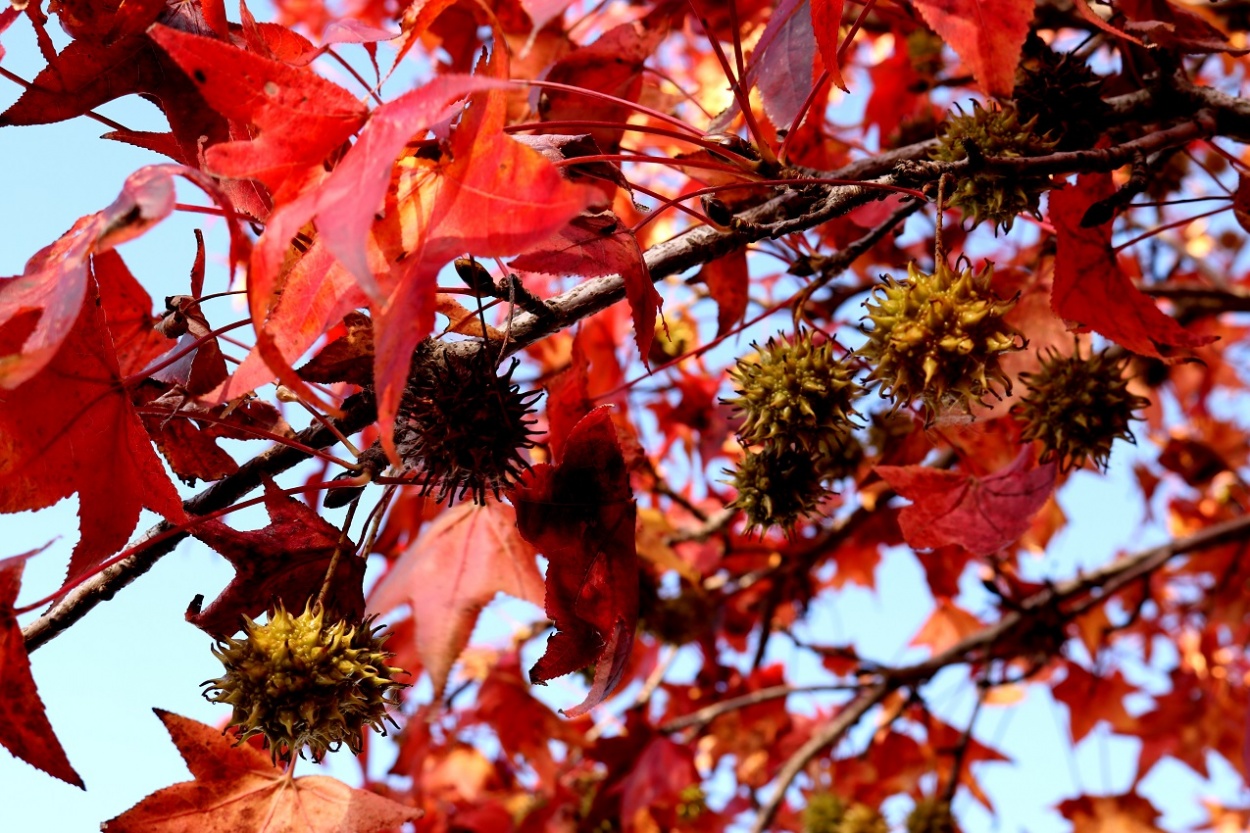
(985, 195)
(860, 818)
(823, 813)
(797, 393)
(303, 684)
(938, 338)
(931, 815)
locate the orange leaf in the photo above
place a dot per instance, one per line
(463, 558)
(986, 34)
(946, 626)
(1090, 699)
(237, 789)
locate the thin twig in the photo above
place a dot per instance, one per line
(705, 715)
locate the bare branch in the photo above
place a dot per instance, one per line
(1103, 582)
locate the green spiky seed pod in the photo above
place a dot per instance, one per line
(691, 804)
(798, 393)
(931, 815)
(860, 818)
(995, 132)
(1061, 96)
(303, 684)
(823, 813)
(778, 487)
(844, 462)
(938, 338)
(1078, 408)
(674, 338)
(461, 427)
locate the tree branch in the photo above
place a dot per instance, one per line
(825, 736)
(1104, 582)
(359, 412)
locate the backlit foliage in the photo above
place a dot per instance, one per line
(692, 324)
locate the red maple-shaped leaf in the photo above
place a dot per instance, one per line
(296, 117)
(463, 558)
(524, 725)
(237, 789)
(981, 514)
(315, 292)
(91, 71)
(580, 513)
(986, 34)
(1091, 289)
(51, 425)
(1124, 813)
(651, 793)
(24, 727)
(285, 562)
(1092, 698)
(489, 195)
(612, 65)
(781, 64)
(728, 281)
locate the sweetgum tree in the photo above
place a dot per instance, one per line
(671, 318)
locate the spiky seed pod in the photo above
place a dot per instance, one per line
(860, 818)
(778, 487)
(691, 803)
(823, 813)
(461, 427)
(1061, 96)
(304, 684)
(843, 462)
(796, 392)
(931, 815)
(938, 338)
(674, 338)
(994, 132)
(1078, 407)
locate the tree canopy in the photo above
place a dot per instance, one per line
(678, 320)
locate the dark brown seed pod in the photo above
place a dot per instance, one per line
(1078, 408)
(461, 428)
(1061, 96)
(778, 487)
